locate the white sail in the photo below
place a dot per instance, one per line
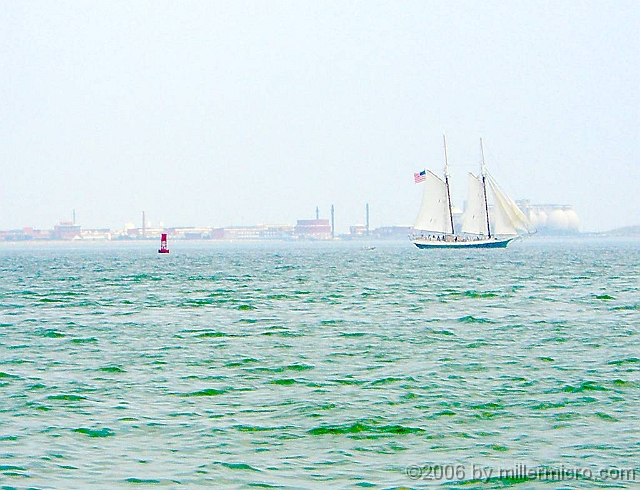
(434, 209)
(474, 220)
(509, 219)
(500, 219)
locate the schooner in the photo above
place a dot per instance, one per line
(481, 228)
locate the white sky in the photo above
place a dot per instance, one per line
(226, 113)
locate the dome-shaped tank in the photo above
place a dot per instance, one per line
(573, 221)
(558, 220)
(542, 219)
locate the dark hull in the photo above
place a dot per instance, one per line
(471, 244)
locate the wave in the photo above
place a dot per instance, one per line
(585, 386)
(473, 319)
(205, 392)
(104, 432)
(112, 369)
(364, 427)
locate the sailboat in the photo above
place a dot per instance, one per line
(480, 228)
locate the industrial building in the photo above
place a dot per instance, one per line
(67, 231)
(257, 232)
(315, 229)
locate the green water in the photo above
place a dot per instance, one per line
(319, 365)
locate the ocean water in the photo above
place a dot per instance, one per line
(320, 365)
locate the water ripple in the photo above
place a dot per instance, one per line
(316, 365)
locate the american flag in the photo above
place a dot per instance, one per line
(419, 176)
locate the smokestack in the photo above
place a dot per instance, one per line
(333, 223)
(144, 226)
(367, 219)
(74, 217)
(317, 213)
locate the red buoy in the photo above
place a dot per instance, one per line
(163, 245)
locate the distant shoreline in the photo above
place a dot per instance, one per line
(351, 241)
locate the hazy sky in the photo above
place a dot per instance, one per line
(227, 113)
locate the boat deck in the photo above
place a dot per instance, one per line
(465, 243)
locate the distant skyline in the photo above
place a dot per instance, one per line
(232, 113)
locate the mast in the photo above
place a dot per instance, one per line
(483, 171)
(446, 181)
